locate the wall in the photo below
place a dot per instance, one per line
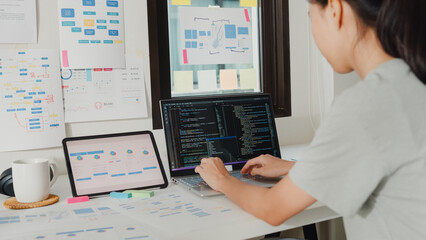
(293, 130)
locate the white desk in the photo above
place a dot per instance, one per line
(219, 219)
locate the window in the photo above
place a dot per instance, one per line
(173, 74)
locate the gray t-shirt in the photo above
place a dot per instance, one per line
(368, 159)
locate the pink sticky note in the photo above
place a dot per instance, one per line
(107, 69)
(65, 62)
(78, 199)
(247, 15)
(228, 79)
(185, 57)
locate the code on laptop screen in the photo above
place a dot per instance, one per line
(234, 129)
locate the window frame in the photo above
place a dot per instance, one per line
(274, 64)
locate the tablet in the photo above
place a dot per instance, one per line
(101, 164)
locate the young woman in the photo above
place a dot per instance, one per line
(368, 159)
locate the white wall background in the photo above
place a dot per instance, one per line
(292, 130)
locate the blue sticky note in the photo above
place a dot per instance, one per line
(194, 44)
(188, 34)
(89, 31)
(230, 31)
(120, 195)
(88, 2)
(194, 34)
(243, 30)
(187, 44)
(203, 33)
(67, 12)
(209, 33)
(76, 29)
(113, 32)
(112, 3)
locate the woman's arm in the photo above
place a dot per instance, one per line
(274, 205)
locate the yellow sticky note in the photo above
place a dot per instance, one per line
(228, 79)
(248, 79)
(89, 22)
(181, 2)
(248, 3)
(118, 41)
(183, 81)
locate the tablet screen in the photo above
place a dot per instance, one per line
(101, 164)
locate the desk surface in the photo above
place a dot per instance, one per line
(173, 213)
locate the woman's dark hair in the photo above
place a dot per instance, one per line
(400, 25)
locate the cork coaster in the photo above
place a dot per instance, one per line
(11, 203)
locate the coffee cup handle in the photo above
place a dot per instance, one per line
(54, 168)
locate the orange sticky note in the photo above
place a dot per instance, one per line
(228, 79)
(89, 22)
(248, 79)
(181, 2)
(248, 3)
(183, 81)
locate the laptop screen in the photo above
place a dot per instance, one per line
(234, 128)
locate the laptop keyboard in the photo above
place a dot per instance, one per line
(196, 181)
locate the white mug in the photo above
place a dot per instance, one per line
(31, 179)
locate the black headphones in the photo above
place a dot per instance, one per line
(6, 182)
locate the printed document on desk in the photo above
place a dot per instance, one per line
(91, 34)
(18, 22)
(90, 220)
(31, 107)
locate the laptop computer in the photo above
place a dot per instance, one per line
(235, 128)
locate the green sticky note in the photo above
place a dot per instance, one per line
(140, 193)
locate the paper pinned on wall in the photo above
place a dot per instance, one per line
(215, 36)
(228, 79)
(183, 81)
(181, 2)
(248, 79)
(91, 34)
(18, 22)
(248, 3)
(31, 107)
(207, 80)
(105, 93)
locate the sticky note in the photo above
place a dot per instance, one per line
(183, 81)
(65, 58)
(207, 80)
(120, 195)
(228, 79)
(185, 56)
(181, 2)
(140, 193)
(248, 3)
(248, 79)
(77, 199)
(247, 15)
(89, 22)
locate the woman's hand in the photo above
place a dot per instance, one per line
(267, 166)
(213, 171)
